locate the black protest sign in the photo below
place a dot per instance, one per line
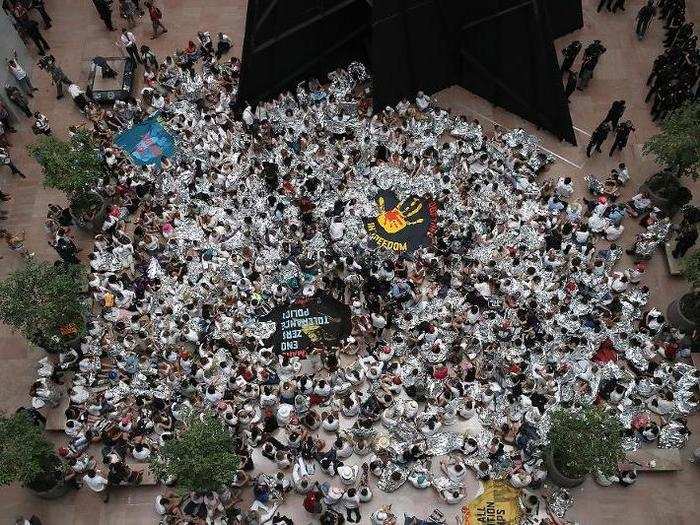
(402, 225)
(319, 320)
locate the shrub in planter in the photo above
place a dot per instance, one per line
(584, 441)
(44, 302)
(73, 167)
(678, 145)
(87, 209)
(691, 269)
(201, 456)
(27, 457)
(667, 192)
(678, 148)
(684, 313)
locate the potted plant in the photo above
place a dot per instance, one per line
(45, 303)
(73, 167)
(201, 456)
(684, 313)
(580, 442)
(27, 457)
(88, 210)
(677, 147)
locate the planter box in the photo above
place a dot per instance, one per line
(556, 477)
(677, 318)
(58, 491)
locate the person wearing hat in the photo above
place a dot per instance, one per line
(382, 516)
(333, 496)
(348, 474)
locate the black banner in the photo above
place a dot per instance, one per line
(319, 320)
(402, 225)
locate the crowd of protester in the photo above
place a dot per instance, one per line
(514, 304)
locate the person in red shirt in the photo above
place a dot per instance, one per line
(156, 17)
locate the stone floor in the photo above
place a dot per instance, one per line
(78, 35)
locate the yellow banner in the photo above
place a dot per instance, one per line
(497, 505)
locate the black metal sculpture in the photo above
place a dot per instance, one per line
(501, 50)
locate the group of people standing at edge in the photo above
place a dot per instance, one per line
(673, 80)
(19, 94)
(674, 77)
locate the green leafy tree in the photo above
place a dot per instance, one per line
(585, 441)
(44, 302)
(690, 302)
(691, 268)
(72, 166)
(26, 456)
(201, 456)
(678, 145)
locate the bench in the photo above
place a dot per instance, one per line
(665, 459)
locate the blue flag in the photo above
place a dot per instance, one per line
(147, 142)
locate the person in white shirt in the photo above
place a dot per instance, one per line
(612, 232)
(337, 229)
(639, 205)
(20, 75)
(565, 188)
(621, 174)
(128, 41)
(78, 96)
(248, 117)
(619, 283)
(422, 101)
(97, 484)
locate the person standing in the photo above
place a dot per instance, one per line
(41, 9)
(5, 119)
(65, 247)
(570, 53)
(599, 136)
(31, 27)
(685, 241)
(104, 9)
(617, 109)
(618, 4)
(605, 3)
(156, 16)
(128, 11)
(58, 77)
(17, 98)
(20, 74)
(41, 124)
(571, 83)
(623, 133)
(128, 40)
(6, 160)
(223, 46)
(594, 49)
(644, 18)
(586, 73)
